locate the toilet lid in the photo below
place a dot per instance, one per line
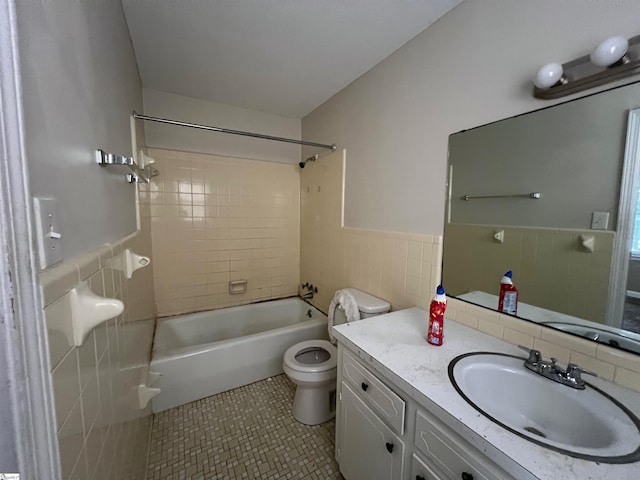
(299, 348)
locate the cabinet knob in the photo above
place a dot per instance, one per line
(467, 476)
(364, 386)
(390, 449)
(419, 477)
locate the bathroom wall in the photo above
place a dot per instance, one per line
(196, 110)
(215, 219)
(551, 268)
(404, 269)
(472, 67)
(101, 432)
(401, 268)
(80, 83)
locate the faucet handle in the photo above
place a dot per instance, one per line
(534, 355)
(574, 375)
(575, 371)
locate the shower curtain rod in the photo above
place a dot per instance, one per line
(232, 132)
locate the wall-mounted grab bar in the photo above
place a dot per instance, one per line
(533, 195)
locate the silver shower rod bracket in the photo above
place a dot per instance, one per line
(137, 174)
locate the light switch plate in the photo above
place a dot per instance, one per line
(48, 231)
(599, 220)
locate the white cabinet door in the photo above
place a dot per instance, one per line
(369, 449)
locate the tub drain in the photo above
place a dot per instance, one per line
(535, 431)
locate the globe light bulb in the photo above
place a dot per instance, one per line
(548, 76)
(610, 51)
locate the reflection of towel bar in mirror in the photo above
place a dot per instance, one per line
(533, 195)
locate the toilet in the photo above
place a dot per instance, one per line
(312, 365)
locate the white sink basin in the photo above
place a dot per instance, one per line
(586, 423)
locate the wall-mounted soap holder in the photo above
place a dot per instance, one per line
(587, 243)
(144, 392)
(237, 287)
(498, 236)
(137, 175)
(146, 165)
(129, 262)
(89, 310)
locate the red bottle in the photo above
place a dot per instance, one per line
(435, 332)
(508, 302)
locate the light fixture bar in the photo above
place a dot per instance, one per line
(581, 74)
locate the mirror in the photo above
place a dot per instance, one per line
(550, 196)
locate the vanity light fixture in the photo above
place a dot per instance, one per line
(612, 59)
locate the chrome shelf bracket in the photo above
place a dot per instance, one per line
(136, 175)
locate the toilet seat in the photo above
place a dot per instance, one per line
(292, 362)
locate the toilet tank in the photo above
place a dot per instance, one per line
(368, 305)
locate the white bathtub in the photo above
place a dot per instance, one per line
(205, 353)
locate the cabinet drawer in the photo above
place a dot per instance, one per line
(449, 453)
(389, 406)
(421, 471)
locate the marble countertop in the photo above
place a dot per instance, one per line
(394, 346)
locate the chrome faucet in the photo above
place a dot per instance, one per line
(571, 377)
(311, 290)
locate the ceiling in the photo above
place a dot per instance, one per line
(284, 57)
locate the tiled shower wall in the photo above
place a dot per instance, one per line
(404, 269)
(101, 431)
(216, 219)
(551, 269)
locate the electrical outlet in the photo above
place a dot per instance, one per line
(49, 236)
(599, 220)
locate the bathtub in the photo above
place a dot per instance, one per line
(205, 353)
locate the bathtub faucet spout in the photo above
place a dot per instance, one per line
(307, 296)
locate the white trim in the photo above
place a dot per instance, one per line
(624, 230)
(633, 294)
(23, 334)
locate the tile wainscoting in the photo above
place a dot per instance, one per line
(101, 432)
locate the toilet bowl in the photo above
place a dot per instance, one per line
(312, 365)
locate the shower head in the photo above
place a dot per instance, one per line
(312, 158)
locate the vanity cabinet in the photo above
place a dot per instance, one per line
(382, 433)
(369, 448)
(451, 454)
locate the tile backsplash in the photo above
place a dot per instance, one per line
(404, 269)
(216, 219)
(101, 432)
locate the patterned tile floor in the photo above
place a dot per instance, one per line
(246, 433)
